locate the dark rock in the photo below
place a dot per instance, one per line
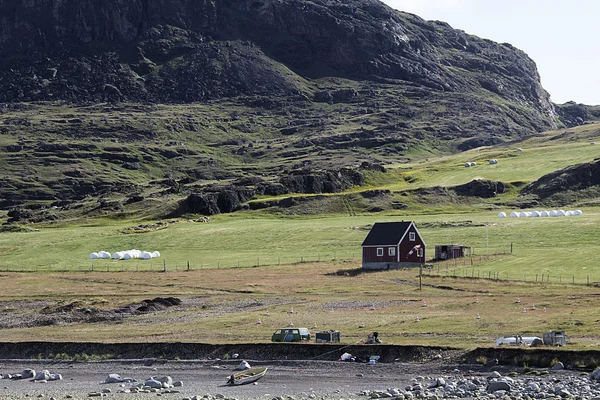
(132, 165)
(205, 204)
(306, 181)
(368, 194)
(498, 385)
(275, 189)
(372, 166)
(481, 188)
(573, 114)
(134, 199)
(577, 179)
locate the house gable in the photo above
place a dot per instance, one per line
(386, 233)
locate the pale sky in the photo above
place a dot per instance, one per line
(561, 36)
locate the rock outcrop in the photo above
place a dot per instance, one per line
(89, 50)
(567, 185)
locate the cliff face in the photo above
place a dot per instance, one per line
(360, 39)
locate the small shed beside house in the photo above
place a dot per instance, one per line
(393, 245)
(448, 251)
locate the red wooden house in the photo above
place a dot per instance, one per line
(392, 245)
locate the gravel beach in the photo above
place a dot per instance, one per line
(295, 380)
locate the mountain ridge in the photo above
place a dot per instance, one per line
(270, 89)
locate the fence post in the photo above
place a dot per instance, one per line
(279, 261)
(165, 265)
(258, 261)
(188, 266)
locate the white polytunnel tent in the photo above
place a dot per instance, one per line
(502, 215)
(514, 214)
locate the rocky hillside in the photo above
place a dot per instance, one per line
(186, 50)
(577, 183)
(248, 88)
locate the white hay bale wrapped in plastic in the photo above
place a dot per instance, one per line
(577, 213)
(514, 214)
(522, 214)
(493, 161)
(104, 254)
(536, 214)
(467, 164)
(155, 254)
(553, 213)
(136, 253)
(145, 255)
(545, 214)
(118, 255)
(128, 255)
(94, 256)
(502, 215)
(569, 213)
(473, 164)
(561, 213)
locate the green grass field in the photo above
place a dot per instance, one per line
(310, 262)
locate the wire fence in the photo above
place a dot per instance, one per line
(164, 265)
(471, 268)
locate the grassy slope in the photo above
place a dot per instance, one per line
(563, 248)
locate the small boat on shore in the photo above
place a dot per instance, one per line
(247, 376)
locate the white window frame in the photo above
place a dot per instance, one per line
(380, 252)
(391, 251)
(412, 236)
(419, 252)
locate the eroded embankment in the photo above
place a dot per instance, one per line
(296, 351)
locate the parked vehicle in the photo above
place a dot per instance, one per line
(291, 335)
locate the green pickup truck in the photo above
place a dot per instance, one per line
(291, 335)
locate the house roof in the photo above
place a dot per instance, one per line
(386, 233)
